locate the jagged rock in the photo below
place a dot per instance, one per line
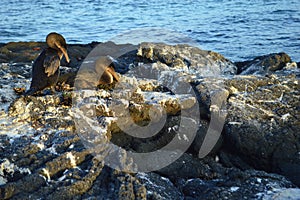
(159, 187)
(263, 122)
(264, 64)
(289, 193)
(187, 58)
(68, 145)
(238, 185)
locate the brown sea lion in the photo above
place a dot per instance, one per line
(96, 71)
(105, 69)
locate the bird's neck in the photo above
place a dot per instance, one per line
(60, 54)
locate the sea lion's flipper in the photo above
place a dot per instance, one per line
(112, 71)
(51, 64)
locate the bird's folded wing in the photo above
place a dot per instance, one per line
(51, 64)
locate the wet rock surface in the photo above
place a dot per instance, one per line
(59, 146)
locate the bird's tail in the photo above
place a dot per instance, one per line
(30, 92)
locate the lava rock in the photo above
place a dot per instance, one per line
(80, 144)
(264, 64)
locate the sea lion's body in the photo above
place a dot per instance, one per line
(104, 68)
(95, 73)
(45, 69)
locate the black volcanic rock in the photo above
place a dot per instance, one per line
(263, 122)
(263, 64)
(55, 146)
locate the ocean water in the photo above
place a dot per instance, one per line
(238, 29)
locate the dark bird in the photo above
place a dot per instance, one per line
(45, 69)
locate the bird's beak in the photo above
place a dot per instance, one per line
(65, 54)
(64, 50)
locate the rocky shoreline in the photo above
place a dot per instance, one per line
(43, 154)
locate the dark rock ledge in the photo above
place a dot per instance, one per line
(42, 156)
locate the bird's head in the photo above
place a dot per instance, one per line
(58, 42)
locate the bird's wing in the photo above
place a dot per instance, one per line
(51, 63)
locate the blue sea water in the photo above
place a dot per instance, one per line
(238, 29)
